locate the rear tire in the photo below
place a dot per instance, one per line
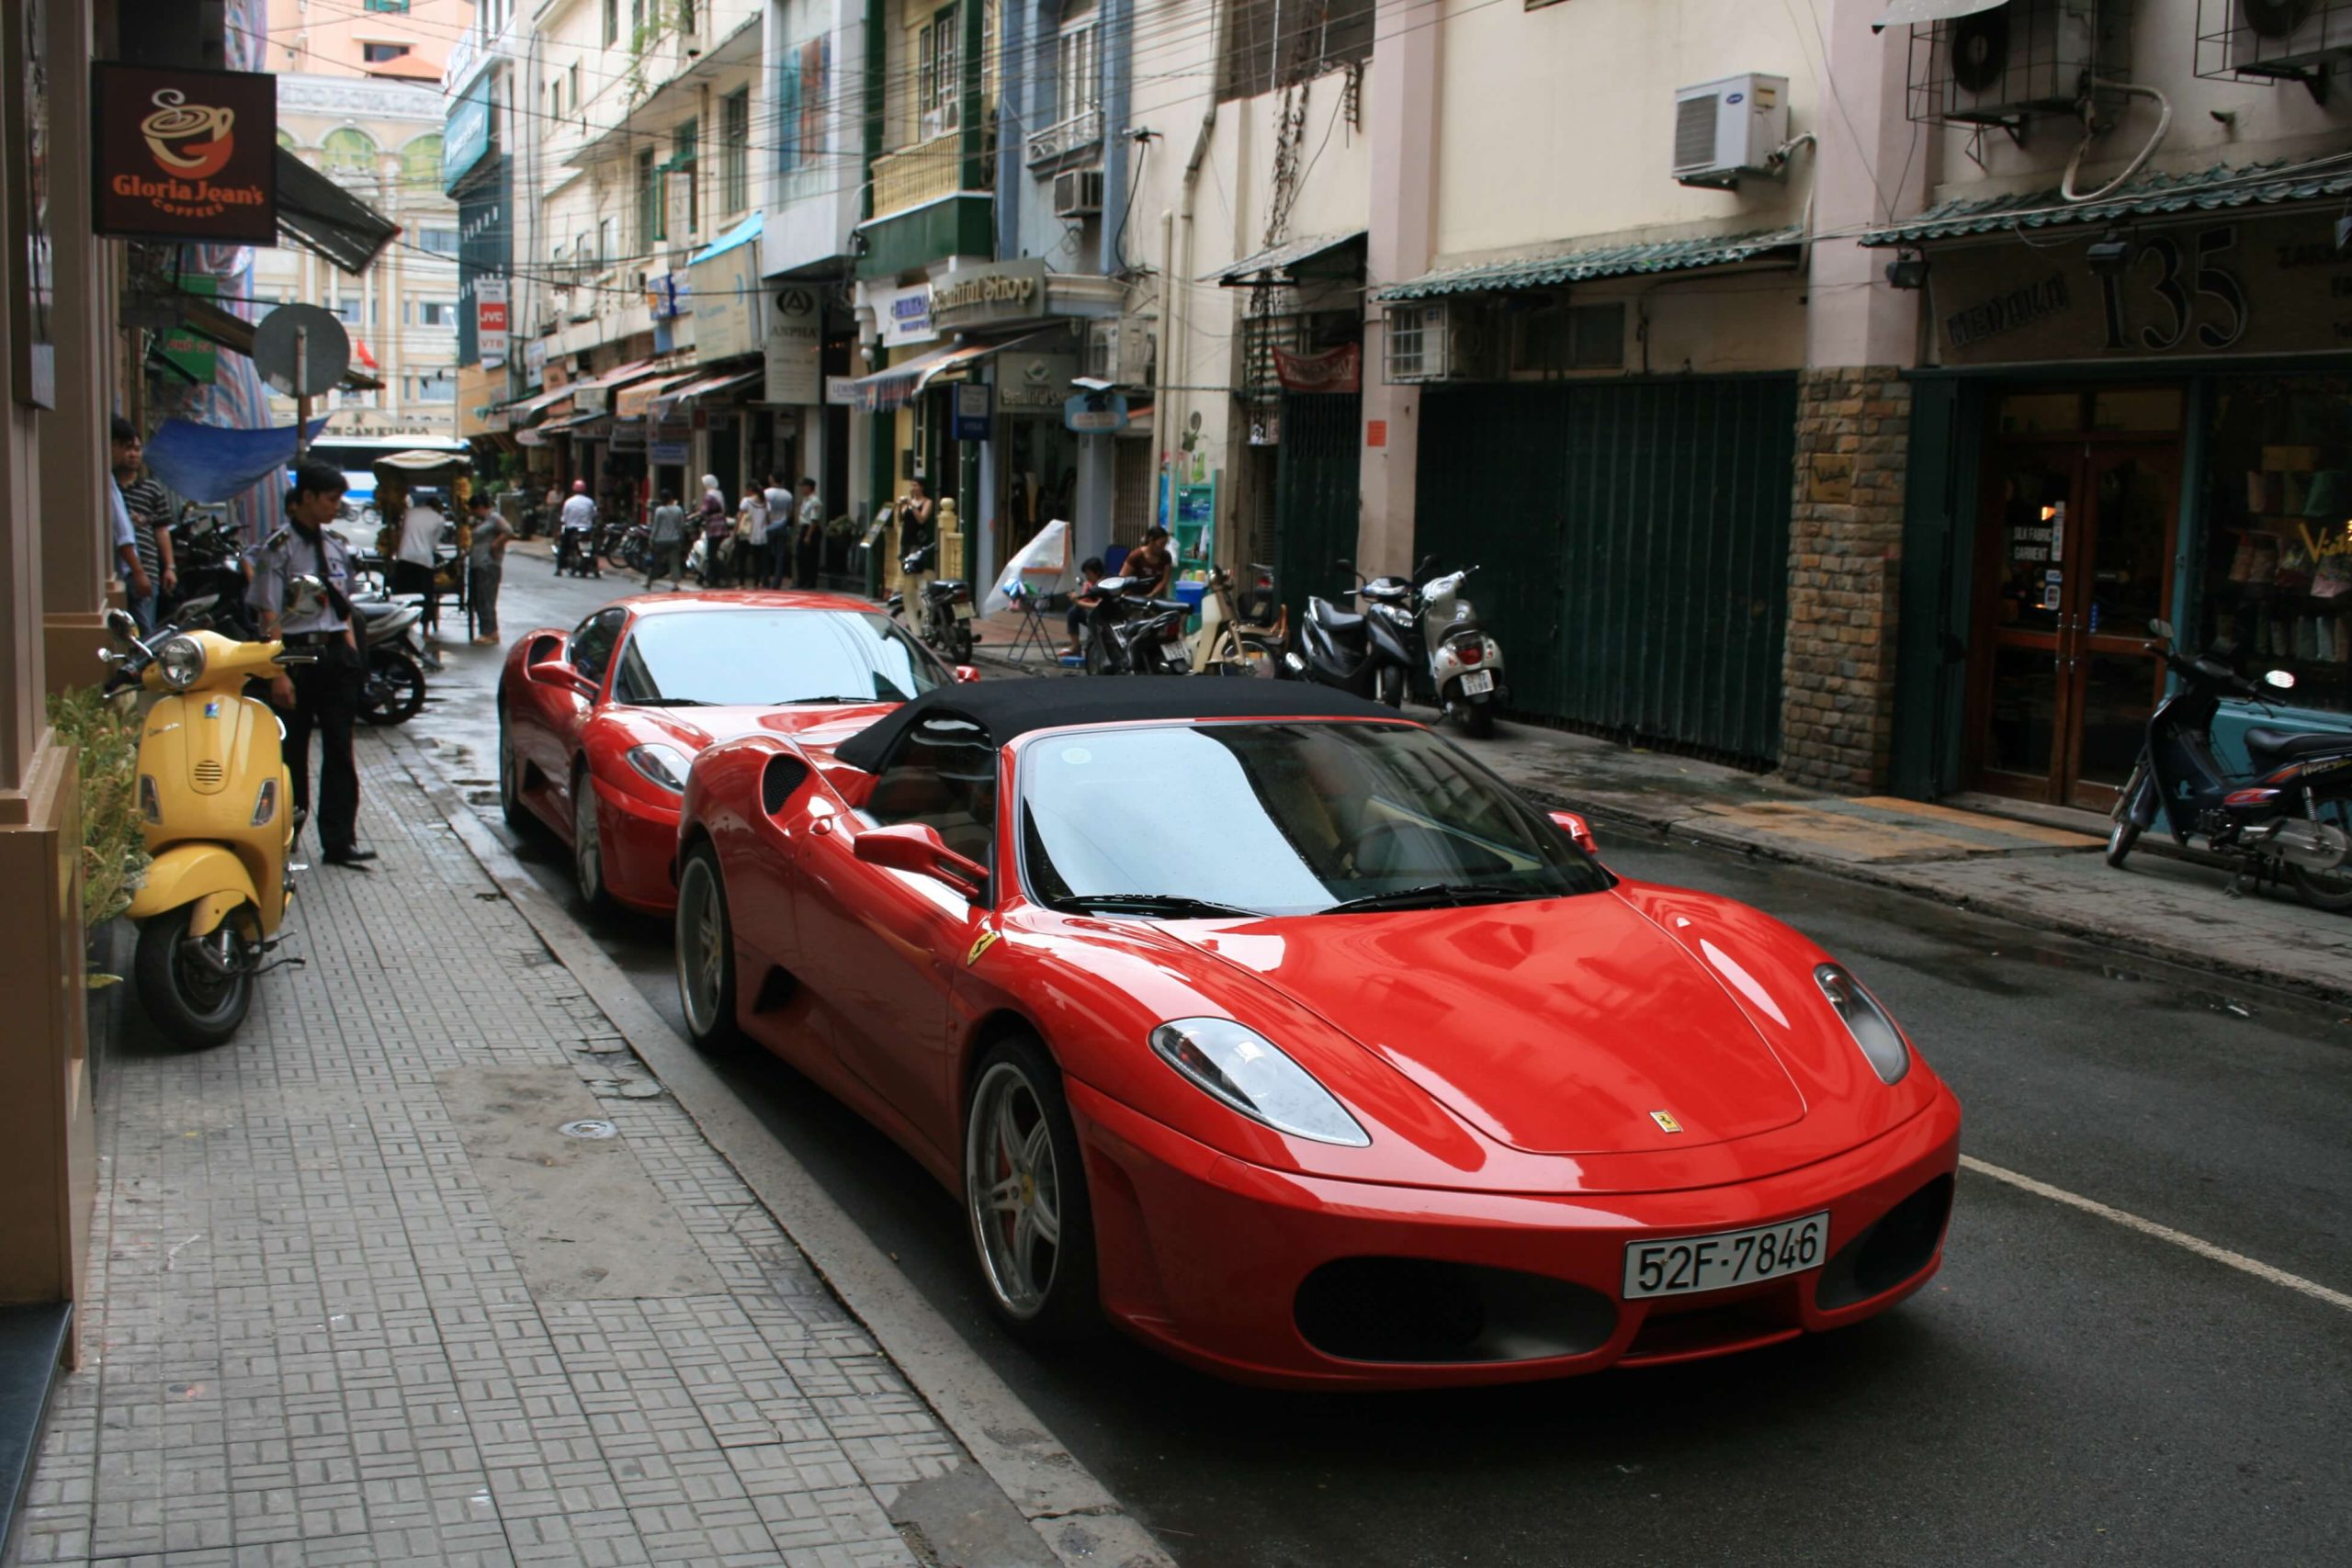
(705, 944)
(1024, 1193)
(961, 639)
(392, 691)
(1478, 720)
(1095, 663)
(187, 1000)
(2330, 890)
(1389, 686)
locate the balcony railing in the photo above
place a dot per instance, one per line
(1076, 134)
(913, 176)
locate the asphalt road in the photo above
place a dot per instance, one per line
(2070, 1389)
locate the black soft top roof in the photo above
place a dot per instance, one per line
(1009, 708)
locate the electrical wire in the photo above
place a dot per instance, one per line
(2155, 139)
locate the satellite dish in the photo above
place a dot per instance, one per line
(310, 367)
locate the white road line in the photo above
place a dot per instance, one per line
(2221, 1255)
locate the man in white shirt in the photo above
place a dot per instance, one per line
(812, 535)
(579, 532)
(415, 563)
(780, 531)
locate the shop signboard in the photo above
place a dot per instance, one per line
(1340, 370)
(1095, 413)
(628, 436)
(198, 358)
(465, 138)
(902, 316)
(490, 320)
(183, 153)
(2227, 283)
(731, 303)
(671, 439)
(1195, 527)
(1033, 383)
(795, 346)
(668, 294)
(535, 362)
(972, 411)
(990, 296)
(841, 392)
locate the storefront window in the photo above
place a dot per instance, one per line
(2276, 578)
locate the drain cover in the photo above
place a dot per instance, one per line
(590, 1129)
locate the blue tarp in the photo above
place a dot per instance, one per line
(208, 463)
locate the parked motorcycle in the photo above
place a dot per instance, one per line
(1236, 639)
(2292, 817)
(209, 558)
(218, 808)
(1369, 654)
(1465, 666)
(944, 605)
(1129, 633)
(636, 548)
(392, 690)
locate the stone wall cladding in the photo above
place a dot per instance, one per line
(1845, 570)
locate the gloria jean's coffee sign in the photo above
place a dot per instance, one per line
(181, 154)
(2226, 284)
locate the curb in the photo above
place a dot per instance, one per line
(1072, 1512)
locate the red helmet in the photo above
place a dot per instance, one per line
(580, 487)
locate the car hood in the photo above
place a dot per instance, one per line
(1570, 1026)
(697, 728)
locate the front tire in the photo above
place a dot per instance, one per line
(959, 638)
(705, 952)
(587, 845)
(189, 1000)
(1389, 686)
(2125, 832)
(393, 691)
(1024, 1191)
(2329, 890)
(517, 816)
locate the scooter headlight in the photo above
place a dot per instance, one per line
(1882, 1043)
(179, 663)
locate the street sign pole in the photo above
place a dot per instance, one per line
(302, 398)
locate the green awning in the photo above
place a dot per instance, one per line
(2207, 190)
(1608, 261)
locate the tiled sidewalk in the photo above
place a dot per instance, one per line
(355, 1300)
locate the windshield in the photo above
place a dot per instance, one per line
(1280, 819)
(757, 657)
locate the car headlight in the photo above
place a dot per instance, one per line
(1882, 1043)
(1249, 1073)
(664, 765)
(180, 663)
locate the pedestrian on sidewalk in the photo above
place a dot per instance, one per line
(151, 524)
(781, 530)
(716, 529)
(752, 539)
(323, 696)
(416, 568)
(667, 542)
(486, 567)
(811, 536)
(1085, 598)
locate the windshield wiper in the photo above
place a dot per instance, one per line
(812, 702)
(1435, 895)
(1175, 905)
(670, 703)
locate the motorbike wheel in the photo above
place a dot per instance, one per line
(393, 692)
(705, 950)
(959, 639)
(2330, 890)
(1096, 664)
(188, 999)
(1389, 686)
(2125, 832)
(1478, 720)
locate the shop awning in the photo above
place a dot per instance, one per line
(709, 385)
(2153, 196)
(234, 332)
(1606, 261)
(743, 233)
(522, 409)
(571, 423)
(615, 375)
(633, 401)
(1278, 264)
(321, 215)
(897, 387)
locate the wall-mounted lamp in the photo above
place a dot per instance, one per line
(1907, 270)
(2109, 254)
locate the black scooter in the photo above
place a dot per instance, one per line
(1130, 633)
(1369, 654)
(943, 616)
(2292, 817)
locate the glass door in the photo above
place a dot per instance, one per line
(2075, 559)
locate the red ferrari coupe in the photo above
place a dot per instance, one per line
(1278, 1030)
(598, 728)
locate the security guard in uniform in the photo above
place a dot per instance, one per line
(324, 694)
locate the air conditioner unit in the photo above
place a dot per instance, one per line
(934, 124)
(2287, 37)
(2027, 57)
(1727, 128)
(1449, 341)
(1078, 193)
(1119, 350)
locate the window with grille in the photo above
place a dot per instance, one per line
(686, 201)
(440, 242)
(649, 202)
(1272, 43)
(1077, 79)
(937, 98)
(735, 152)
(1410, 340)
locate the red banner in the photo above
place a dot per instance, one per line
(183, 153)
(1337, 370)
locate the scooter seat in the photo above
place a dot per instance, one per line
(2285, 745)
(1333, 618)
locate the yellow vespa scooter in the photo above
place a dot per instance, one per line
(216, 802)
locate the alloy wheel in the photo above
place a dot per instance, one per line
(587, 857)
(701, 950)
(1012, 1183)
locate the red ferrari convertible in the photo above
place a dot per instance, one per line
(1276, 1028)
(597, 729)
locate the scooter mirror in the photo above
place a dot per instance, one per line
(305, 595)
(119, 623)
(2162, 628)
(2282, 679)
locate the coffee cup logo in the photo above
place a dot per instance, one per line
(191, 141)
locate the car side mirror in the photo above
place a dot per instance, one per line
(557, 672)
(917, 847)
(966, 674)
(1577, 828)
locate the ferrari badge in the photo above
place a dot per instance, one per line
(1665, 1122)
(989, 936)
